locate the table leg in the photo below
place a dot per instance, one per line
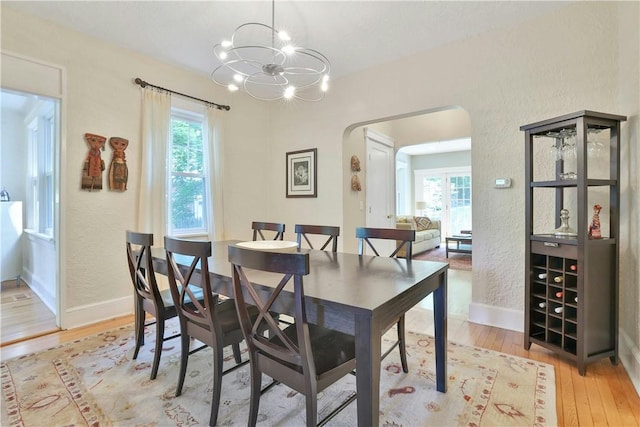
(440, 322)
(368, 350)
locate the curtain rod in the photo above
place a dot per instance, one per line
(143, 84)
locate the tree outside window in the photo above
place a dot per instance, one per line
(188, 207)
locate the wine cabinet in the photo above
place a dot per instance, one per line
(572, 232)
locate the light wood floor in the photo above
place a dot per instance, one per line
(22, 313)
(604, 397)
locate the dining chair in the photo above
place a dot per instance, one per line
(213, 321)
(324, 230)
(307, 358)
(403, 238)
(148, 298)
(259, 227)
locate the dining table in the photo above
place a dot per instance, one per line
(356, 294)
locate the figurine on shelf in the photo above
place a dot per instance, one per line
(564, 230)
(594, 227)
(93, 164)
(118, 171)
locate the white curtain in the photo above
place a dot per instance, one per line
(215, 152)
(156, 131)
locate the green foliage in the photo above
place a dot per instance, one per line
(188, 204)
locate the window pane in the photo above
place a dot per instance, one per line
(187, 148)
(188, 203)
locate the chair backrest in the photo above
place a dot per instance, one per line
(325, 230)
(292, 265)
(258, 227)
(141, 266)
(402, 237)
(183, 282)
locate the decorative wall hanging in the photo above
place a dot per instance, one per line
(93, 164)
(355, 164)
(302, 173)
(355, 167)
(355, 183)
(118, 171)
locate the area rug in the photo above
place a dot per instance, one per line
(95, 382)
(456, 261)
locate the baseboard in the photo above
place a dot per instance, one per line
(93, 313)
(629, 356)
(499, 317)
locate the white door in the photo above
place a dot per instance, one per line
(380, 185)
(447, 193)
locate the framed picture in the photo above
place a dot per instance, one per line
(301, 173)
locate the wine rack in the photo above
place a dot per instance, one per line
(571, 280)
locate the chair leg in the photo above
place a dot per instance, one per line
(217, 384)
(312, 409)
(139, 328)
(402, 345)
(159, 342)
(236, 352)
(184, 358)
(256, 383)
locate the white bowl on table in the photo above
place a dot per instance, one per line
(270, 245)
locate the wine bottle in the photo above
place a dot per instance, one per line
(542, 276)
(573, 267)
(557, 279)
(559, 294)
(558, 309)
(542, 304)
(576, 299)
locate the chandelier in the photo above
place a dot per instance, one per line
(267, 64)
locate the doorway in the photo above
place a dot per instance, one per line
(29, 145)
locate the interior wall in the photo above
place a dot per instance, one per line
(628, 68)
(441, 160)
(13, 155)
(102, 99)
(539, 69)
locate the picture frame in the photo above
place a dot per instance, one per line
(301, 178)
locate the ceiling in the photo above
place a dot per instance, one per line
(354, 35)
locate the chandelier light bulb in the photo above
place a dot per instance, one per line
(289, 92)
(262, 61)
(284, 36)
(289, 49)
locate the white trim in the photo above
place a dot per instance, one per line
(499, 317)
(93, 313)
(440, 171)
(26, 74)
(629, 355)
(376, 136)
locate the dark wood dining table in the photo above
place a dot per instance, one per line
(359, 295)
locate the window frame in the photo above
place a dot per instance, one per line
(42, 133)
(190, 113)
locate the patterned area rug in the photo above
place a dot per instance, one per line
(95, 382)
(456, 261)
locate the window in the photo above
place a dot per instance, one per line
(42, 134)
(447, 196)
(188, 175)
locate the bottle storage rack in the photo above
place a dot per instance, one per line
(571, 280)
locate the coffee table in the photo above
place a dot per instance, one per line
(458, 243)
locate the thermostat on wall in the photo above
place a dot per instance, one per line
(502, 183)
